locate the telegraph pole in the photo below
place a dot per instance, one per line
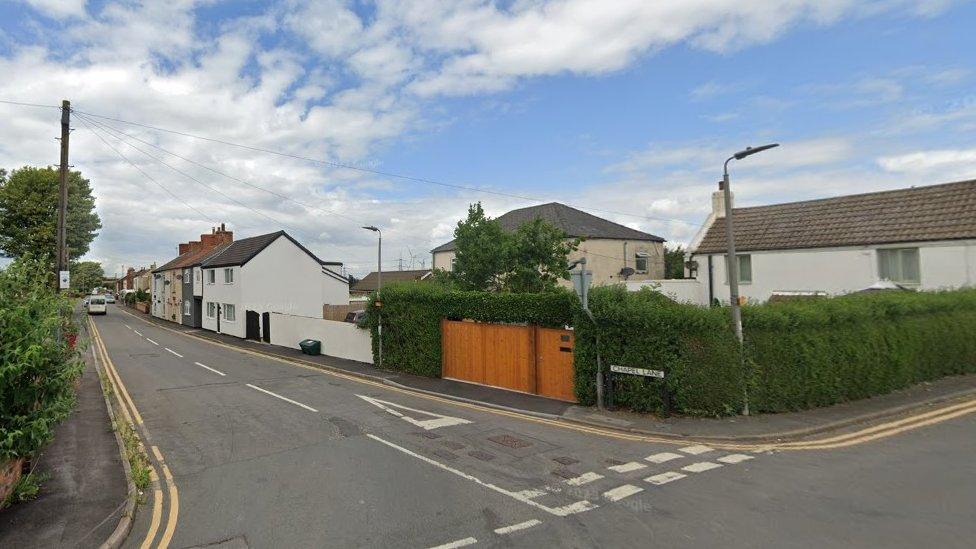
(62, 245)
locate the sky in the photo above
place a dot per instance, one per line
(400, 114)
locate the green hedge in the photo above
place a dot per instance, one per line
(797, 355)
(36, 372)
(412, 314)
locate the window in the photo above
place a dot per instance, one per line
(640, 262)
(186, 307)
(230, 315)
(228, 276)
(745, 269)
(197, 273)
(211, 276)
(187, 276)
(899, 265)
(211, 309)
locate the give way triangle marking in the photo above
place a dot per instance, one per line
(437, 420)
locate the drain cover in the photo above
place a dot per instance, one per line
(510, 441)
(483, 456)
(565, 460)
(452, 445)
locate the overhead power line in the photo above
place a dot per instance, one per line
(341, 165)
(23, 104)
(143, 172)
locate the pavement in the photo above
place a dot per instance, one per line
(82, 502)
(257, 452)
(756, 428)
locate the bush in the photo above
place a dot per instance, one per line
(412, 314)
(798, 355)
(36, 372)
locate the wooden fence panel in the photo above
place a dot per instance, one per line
(554, 364)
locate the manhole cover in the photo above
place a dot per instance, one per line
(483, 456)
(510, 441)
(565, 460)
(564, 473)
(452, 445)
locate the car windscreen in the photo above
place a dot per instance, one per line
(98, 301)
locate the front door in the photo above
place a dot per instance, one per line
(253, 327)
(266, 323)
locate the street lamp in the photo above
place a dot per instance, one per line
(379, 286)
(732, 263)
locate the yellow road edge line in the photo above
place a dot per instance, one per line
(174, 511)
(110, 367)
(814, 444)
(157, 510)
(96, 352)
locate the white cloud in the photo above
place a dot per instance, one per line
(943, 163)
(59, 9)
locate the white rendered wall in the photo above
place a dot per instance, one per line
(339, 339)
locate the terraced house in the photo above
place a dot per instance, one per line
(174, 295)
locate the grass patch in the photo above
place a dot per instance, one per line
(135, 454)
(26, 489)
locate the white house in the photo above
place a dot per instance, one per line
(920, 237)
(272, 273)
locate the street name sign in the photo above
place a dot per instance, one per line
(637, 371)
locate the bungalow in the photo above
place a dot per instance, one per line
(613, 252)
(173, 288)
(369, 283)
(272, 273)
(919, 238)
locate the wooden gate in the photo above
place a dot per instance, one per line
(528, 359)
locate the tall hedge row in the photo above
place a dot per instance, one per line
(412, 314)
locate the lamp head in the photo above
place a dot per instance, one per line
(749, 151)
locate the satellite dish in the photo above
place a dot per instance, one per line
(626, 272)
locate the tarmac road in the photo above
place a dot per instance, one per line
(268, 454)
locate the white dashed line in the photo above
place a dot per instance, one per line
(571, 509)
(218, 372)
(665, 478)
(151, 341)
(276, 395)
(529, 494)
(137, 333)
(627, 467)
(621, 492)
(517, 527)
(663, 457)
(127, 326)
(458, 543)
(174, 352)
(696, 449)
(732, 459)
(585, 478)
(701, 467)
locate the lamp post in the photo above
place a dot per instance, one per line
(732, 263)
(379, 286)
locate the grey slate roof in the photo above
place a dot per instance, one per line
(935, 212)
(575, 223)
(242, 251)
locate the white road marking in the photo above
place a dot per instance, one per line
(701, 467)
(696, 449)
(665, 478)
(126, 325)
(663, 457)
(573, 508)
(151, 341)
(458, 543)
(621, 492)
(531, 494)
(439, 420)
(585, 478)
(174, 352)
(137, 333)
(517, 527)
(218, 372)
(286, 399)
(732, 459)
(627, 467)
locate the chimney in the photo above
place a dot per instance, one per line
(209, 240)
(718, 200)
(184, 247)
(130, 270)
(195, 246)
(223, 236)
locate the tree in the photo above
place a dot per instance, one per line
(481, 247)
(29, 213)
(86, 275)
(674, 262)
(537, 257)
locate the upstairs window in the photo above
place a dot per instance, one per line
(228, 276)
(899, 265)
(187, 276)
(211, 276)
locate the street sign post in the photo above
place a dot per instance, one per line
(643, 372)
(64, 280)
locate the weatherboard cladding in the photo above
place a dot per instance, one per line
(575, 223)
(935, 212)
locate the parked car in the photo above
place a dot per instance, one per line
(109, 298)
(96, 305)
(356, 317)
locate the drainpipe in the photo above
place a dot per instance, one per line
(711, 291)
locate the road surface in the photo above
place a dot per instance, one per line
(255, 452)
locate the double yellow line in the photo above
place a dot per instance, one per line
(867, 434)
(131, 414)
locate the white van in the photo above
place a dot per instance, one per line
(96, 305)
